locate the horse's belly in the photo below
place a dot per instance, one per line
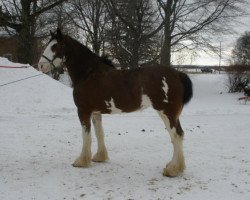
(115, 107)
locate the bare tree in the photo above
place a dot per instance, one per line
(239, 71)
(134, 25)
(188, 22)
(90, 17)
(241, 51)
(21, 16)
(58, 17)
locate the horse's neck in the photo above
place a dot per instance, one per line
(80, 62)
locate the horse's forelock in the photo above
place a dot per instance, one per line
(56, 36)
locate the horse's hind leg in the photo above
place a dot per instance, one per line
(84, 159)
(101, 154)
(177, 164)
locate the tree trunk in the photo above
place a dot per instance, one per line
(166, 47)
(96, 46)
(25, 45)
(135, 57)
(25, 38)
(95, 40)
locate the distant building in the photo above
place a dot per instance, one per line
(8, 47)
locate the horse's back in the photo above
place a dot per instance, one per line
(128, 89)
(160, 85)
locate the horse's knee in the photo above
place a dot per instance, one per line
(179, 130)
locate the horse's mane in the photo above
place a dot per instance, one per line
(102, 59)
(105, 60)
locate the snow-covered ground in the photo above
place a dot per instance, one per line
(40, 136)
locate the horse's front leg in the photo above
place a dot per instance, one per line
(101, 155)
(84, 159)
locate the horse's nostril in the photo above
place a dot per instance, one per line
(41, 67)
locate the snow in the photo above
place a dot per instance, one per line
(40, 137)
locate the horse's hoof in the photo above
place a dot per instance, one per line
(81, 162)
(100, 157)
(172, 170)
(169, 173)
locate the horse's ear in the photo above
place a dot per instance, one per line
(52, 34)
(59, 34)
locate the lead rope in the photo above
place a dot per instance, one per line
(20, 80)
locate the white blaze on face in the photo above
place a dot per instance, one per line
(165, 89)
(44, 65)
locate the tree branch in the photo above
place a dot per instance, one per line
(39, 12)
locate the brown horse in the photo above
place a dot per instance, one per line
(99, 88)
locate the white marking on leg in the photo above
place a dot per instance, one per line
(86, 141)
(177, 164)
(165, 89)
(111, 106)
(101, 154)
(84, 159)
(145, 102)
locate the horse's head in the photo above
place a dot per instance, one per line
(52, 56)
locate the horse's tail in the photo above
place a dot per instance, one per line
(188, 87)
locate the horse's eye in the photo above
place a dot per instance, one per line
(53, 48)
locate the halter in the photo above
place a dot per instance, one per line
(55, 71)
(50, 62)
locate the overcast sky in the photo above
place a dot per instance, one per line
(227, 43)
